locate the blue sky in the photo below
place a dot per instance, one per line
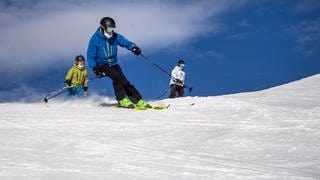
(229, 46)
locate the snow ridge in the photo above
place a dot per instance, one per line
(269, 134)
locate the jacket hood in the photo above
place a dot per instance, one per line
(99, 33)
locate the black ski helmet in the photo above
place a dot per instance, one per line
(79, 58)
(181, 61)
(107, 22)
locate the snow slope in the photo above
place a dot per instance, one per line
(270, 134)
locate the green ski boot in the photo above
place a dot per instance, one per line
(143, 104)
(126, 103)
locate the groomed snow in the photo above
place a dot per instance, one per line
(269, 134)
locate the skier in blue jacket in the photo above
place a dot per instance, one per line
(102, 58)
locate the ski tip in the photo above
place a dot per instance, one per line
(45, 100)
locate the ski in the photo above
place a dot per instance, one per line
(155, 107)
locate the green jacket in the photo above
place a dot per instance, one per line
(78, 76)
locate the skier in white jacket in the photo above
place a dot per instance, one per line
(177, 80)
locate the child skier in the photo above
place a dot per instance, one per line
(177, 80)
(77, 78)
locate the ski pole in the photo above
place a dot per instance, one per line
(155, 64)
(163, 70)
(56, 93)
(60, 91)
(189, 88)
(163, 94)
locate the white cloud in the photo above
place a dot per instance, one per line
(39, 34)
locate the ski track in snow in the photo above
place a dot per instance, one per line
(270, 134)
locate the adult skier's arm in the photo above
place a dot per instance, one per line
(123, 42)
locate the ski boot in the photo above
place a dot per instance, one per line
(143, 104)
(126, 103)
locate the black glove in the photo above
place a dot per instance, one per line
(85, 89)
(68, 82)
(98, 72)
(178, 81)
(136, 50)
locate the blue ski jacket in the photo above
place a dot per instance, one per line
(102, 50)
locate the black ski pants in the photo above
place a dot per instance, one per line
(174, 89)
(121, 86)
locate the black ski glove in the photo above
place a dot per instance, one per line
(68, 82)
(178, 81)
(85, 89)
(136, 50)
(98, 72)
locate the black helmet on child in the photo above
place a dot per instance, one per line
(79, 58)
(181, 62)
(107, 22)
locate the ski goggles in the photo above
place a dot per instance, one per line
(110, 29)
(181, 65)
